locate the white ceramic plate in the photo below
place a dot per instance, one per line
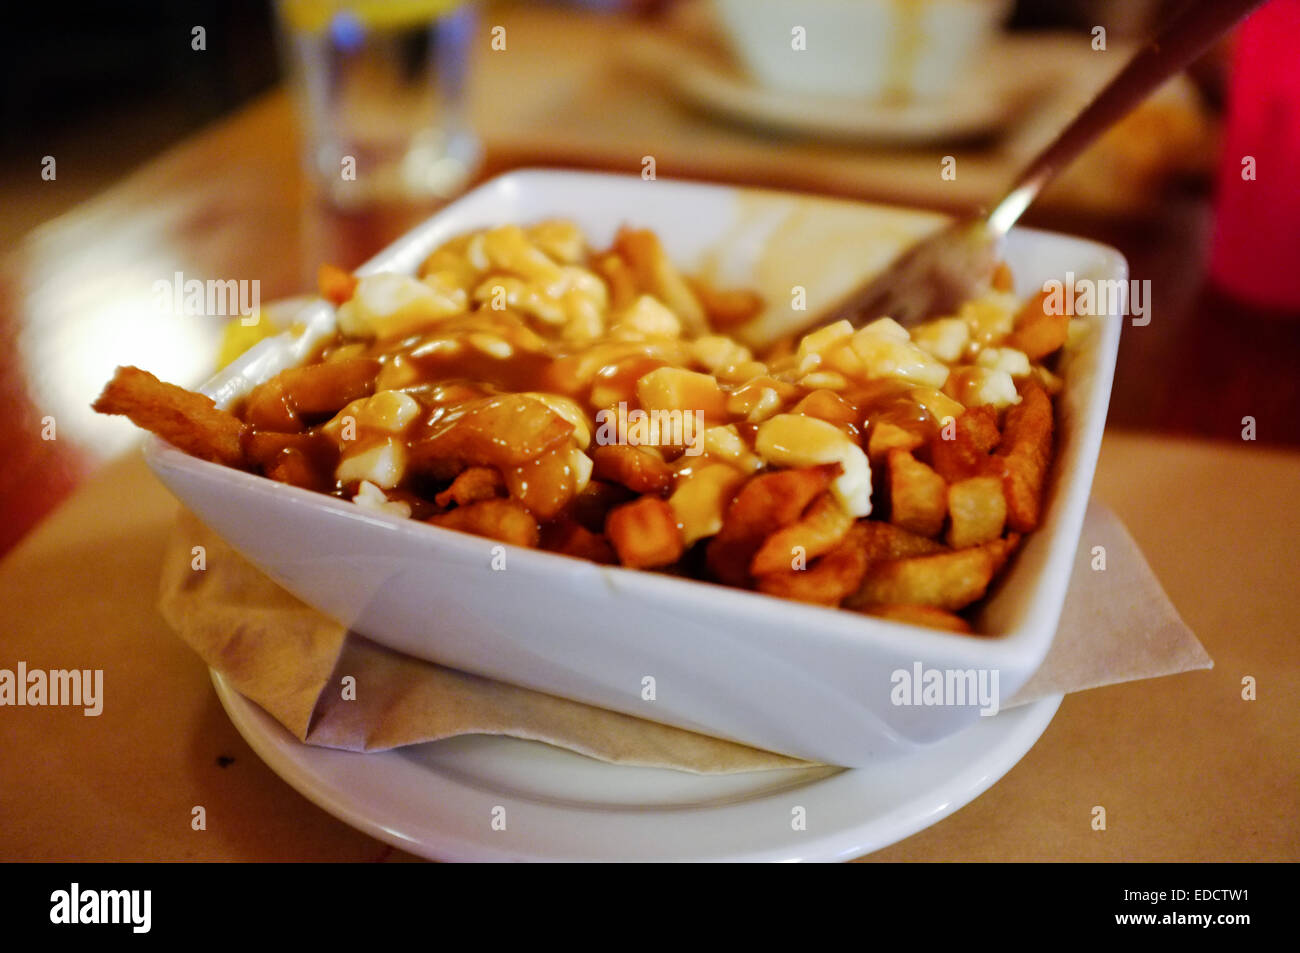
(438, 800)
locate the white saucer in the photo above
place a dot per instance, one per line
(439, 800)
(989, 100)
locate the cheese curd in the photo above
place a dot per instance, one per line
(795, 440)
(390, 306)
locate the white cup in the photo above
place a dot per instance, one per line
(878, 49)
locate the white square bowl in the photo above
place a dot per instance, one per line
(802, 680)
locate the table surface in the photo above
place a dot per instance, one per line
(1185, 768)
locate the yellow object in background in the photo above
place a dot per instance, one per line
(237, 337)
(311, 16)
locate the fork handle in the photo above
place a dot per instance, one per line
(1185, 38)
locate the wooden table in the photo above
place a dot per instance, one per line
(1185, 768)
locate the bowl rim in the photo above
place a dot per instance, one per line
(1008, 647)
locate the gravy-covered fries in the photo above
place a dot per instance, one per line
(529, 389)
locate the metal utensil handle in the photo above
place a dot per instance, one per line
(1185, 38)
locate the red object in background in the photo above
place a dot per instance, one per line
(1255, 255)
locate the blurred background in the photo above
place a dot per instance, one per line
(254, 140)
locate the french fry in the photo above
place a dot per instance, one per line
(885, 436)
(545, 484)
(190, 421)
(504, 520)
(632, 467)
(1002, 278)
(828, 580)
(329, 387)
(657, 275)
(949, 580)
(927, 616)
(829, 406)
(292, 466)
(645, 534)
(974, 434)
(725, 309)
(472, 485)
(508, 430)
(884, 541)
(570, 538)
(268, 408)
(1002, 549)
(765, 503)
(335, 284)
(1038, 332)
(592, 505)
(978, 511)
(1024, 453)
(620, 279)
(819, 530)
(263, 447)
(918, 497)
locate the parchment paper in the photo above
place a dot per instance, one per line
(1117, 626)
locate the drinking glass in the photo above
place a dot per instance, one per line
(380, 92)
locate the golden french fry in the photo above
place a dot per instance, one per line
(885, 436)
(765, 503)
(327, 388)
(829, 579)
(918, 497)
(645, 533)
(657, 275)
(570, 538)
(545, 484)
(471, 485)
(928, 616)
(620, 279)
(592, 505)
(1002, 279)
(819, 530)
(265, 448)
(504, 520)
(639, 470)
(188, 420)
(950, 580)
(974, 434)
(335, 284)
(829, 406)
(1023, 455)
(726, 308)
(1001, 550)
(268, 407)
(508, 430)
(292, 466)
(978, 511)
(1038, 332)
(883, 541)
